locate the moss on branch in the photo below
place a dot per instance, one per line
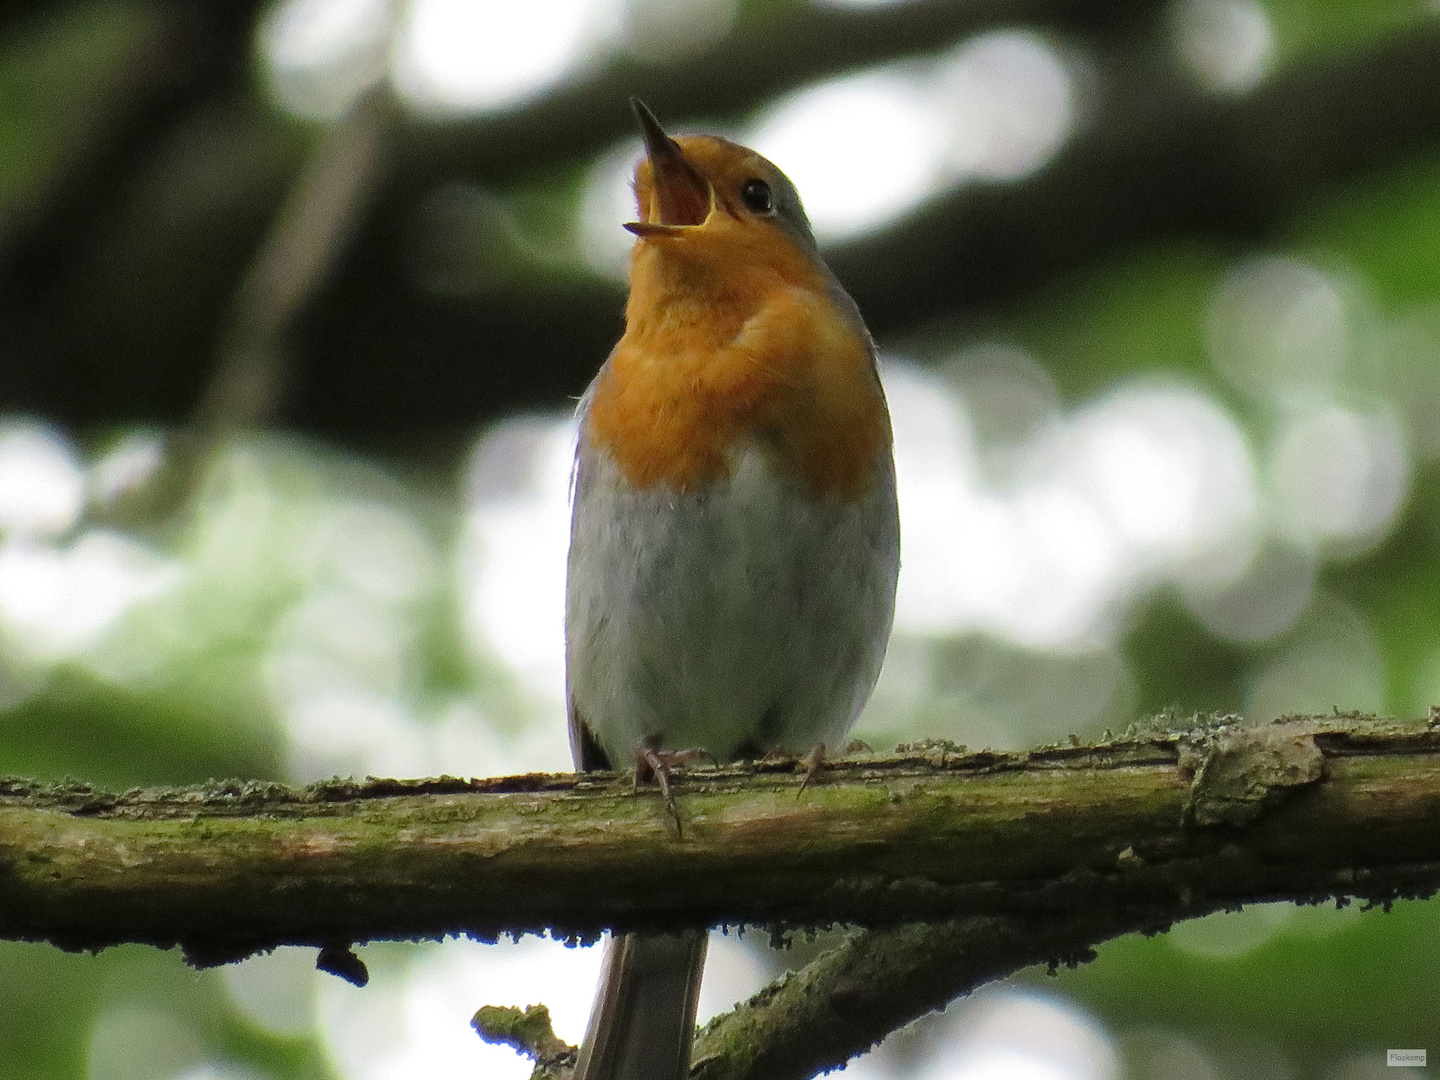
(1153, 828)
(528, 1032)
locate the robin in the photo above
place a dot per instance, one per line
(734, 539)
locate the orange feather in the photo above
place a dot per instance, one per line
(732, 338)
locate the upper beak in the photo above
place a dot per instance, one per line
(681, 196)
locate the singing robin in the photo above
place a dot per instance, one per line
(734, 538)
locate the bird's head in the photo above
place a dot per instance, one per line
(703, 196)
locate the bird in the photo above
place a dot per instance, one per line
(735, 537)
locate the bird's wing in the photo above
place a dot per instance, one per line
(585, 749)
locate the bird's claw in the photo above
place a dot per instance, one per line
(813, 762)
(653, 764)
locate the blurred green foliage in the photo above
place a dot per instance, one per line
(51, 70)
(1317, 986)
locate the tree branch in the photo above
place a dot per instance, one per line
(966, 866)
(851, 997)
(1163, 826)
(848, 999)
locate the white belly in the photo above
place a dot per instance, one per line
(741, 619)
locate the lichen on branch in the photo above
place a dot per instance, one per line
(1161, 824)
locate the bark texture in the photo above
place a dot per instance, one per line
(1151, 828)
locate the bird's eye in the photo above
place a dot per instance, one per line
(756, 195)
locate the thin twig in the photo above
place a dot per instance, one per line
(252, 367)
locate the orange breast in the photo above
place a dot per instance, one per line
(700, 375)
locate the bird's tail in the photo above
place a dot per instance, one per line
(644, 1015)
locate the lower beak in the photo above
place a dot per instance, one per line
(680, 195)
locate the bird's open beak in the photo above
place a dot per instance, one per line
(680, 195)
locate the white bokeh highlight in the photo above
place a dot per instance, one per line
(1151, 483)
(861, 5)
(412, 1022)
(57, 602)
(1021, 1035)
(1331, 659)
(1172, 471)
(319, 55)
(1228, 45)
(343, 659)
(512, 555)
(66, 588)
(42, 487)
(1163, 1053)
(1260, 604)
(125, 466)
(275, 991)
(1009, 101)
(868, 148)
(1335, 466)
(458, 56)
(134, 1041)
(1228, 934)
(862, 149)
(1339, 476)
(607, 201)
(221, 1071)
(1280, 330)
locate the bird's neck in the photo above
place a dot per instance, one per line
(712, 288)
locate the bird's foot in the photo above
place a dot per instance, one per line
(814, 761)
(653, 764)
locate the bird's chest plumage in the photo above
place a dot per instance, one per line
(740, 617)
(693, 384)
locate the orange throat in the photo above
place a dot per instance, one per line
(724, 351)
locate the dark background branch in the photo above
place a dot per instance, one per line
(124, 331)
(794, 43)
(181, 57)
(850, 998)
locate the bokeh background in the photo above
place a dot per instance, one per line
(295, 299)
